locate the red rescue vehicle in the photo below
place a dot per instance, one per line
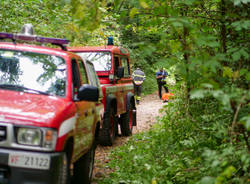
(112, 66)
(50, 113)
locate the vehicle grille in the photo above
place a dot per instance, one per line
(3, 133)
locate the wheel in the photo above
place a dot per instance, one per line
(126, 121)
(64, 173)
(109, 129)
(83, 168)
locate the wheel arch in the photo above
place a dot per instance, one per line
(111, 101)
(105, 138)
(130, 98)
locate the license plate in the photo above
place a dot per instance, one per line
(33, 161)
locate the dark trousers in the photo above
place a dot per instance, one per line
(160, 85)
(137, 89)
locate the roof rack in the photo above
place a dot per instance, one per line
(34, 38)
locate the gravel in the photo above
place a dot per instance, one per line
(147, 111)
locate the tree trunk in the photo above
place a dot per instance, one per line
(186, 53)
(223, 32)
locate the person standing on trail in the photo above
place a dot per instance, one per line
(138, 77)
(160, 77)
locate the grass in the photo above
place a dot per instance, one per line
(183, 147)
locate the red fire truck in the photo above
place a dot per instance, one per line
(50, 112)
(113, 69)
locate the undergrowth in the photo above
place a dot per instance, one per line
(187, 145)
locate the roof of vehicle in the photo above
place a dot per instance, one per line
(35, 48)
(29, 42)
(105, 48)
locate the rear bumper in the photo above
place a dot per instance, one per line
(18, 175)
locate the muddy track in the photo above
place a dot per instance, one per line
(147, 111)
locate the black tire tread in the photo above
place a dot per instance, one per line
(104, 138)
(124, 122)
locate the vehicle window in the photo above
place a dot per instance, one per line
(83, 72)
(93, 77)
(32, 72)
(101, 60)
(116, 64)
(75, 76)
(125, 64)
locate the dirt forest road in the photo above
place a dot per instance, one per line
(147, 111)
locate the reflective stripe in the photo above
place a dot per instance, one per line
(137, 97)
(136, 75)
(67, 126)
(138, 82)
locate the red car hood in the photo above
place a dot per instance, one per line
(32, 109)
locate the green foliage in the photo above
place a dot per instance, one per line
(206, 42)
(47, 17)
(54, 18)
(183, 148)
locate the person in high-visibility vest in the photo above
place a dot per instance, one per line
(138, 77)
(161, 81)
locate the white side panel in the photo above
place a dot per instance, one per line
(67, 126)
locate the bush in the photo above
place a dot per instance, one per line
(183, 147)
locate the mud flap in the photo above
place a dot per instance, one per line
(134, 118)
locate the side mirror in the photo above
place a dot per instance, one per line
(120, 72)
(88, 93)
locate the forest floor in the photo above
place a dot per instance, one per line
(147, 112)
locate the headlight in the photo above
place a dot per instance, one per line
(40, 137)
(29, 136)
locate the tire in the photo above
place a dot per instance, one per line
(126, 121)
(83, 168)
(64, 174)
(109, 129)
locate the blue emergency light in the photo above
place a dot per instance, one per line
(110, 40)
(34, 38)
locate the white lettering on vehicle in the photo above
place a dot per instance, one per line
(67, 126)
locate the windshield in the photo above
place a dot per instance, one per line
(32, 72)
(101, 60)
